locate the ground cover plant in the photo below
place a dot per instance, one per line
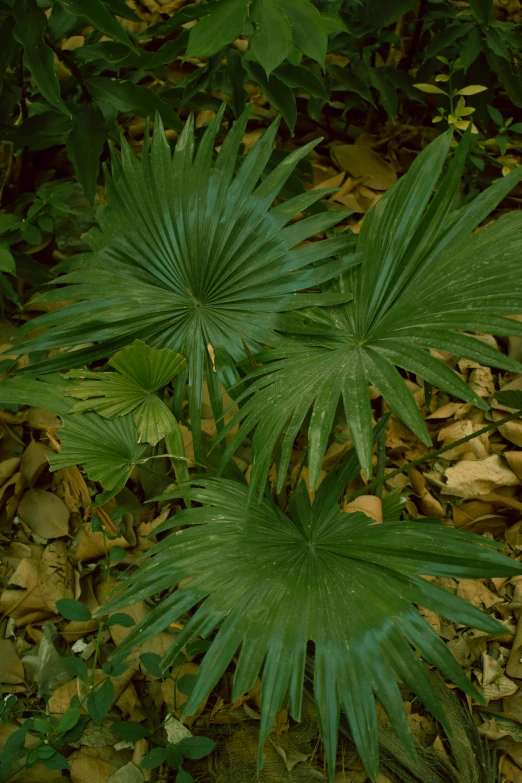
(261, 390)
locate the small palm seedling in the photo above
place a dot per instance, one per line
(424, 282)
(270, 584)
(192, 258)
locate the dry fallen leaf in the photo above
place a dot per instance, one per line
(367, 504)
(470, 478)
(11, 670)
(85, 769)
(129, 773)
(56, 574)
(45, 513)
(364, 163)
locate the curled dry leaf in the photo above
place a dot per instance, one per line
(89, 544)
(476, 592)
(461, 429)
(46, 514)
(514, 460)
(368, 504)
(40, 419)
(470, 478)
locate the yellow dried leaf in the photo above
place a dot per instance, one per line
(470, 478)
(364, 163)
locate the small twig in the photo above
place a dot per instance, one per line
(431, 455)
(381, 462)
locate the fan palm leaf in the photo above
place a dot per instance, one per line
(141, 371)
(424, 281)
(108, 450)
(193, 258)
(269, 584)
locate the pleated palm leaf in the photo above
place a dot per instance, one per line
(424, 281)
(269, 584)
(192, 258)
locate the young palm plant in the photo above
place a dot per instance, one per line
(424, 282)
(192, 258)
(270, 584)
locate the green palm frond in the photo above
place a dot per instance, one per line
(141, 371)
(424, 281)
(107, 450)
(270, 584)
(193, 258)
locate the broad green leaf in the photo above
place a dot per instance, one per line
(95, 11)
(39, 394)
(236, 77)
(85, 146)
(472, 89)
(8, 44)
(482, 10)
(308, 31)
(120, 8)
(272, 38)
(76, 667)
(108, 450)
(154, 758)
(73, 610)
(192, 254)
(446, 37)
(100, 700)
(384, 12)
(55, 760)
(141, 371)
(151, 662)
(333, 24)
(470, 48)
(277, 91)
(120, 618)
(184, 777)
(174, 757)
(68, 720)
(429, 88)
(196, 747)
(31, 22)
(317, 575)
(127, 96)
(129, 730)
(221, 27)
(7, 262)
(301, 77)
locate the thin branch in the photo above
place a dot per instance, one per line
(69, 63)
(432, 455)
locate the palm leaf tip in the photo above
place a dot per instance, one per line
(191, 252)
(322, 576)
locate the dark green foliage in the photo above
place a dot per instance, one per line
(200, 265)
(318, 574)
